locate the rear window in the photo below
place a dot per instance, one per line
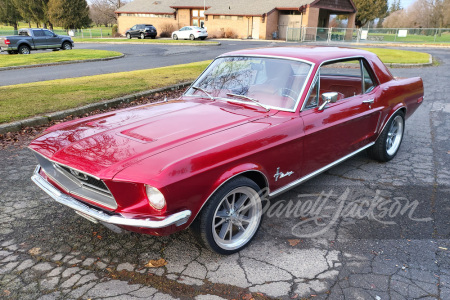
(38, 32)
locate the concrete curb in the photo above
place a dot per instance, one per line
(61, 63)
(42, 120)
(141, 43)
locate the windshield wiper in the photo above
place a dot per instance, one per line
(248, 98)
(204, 91)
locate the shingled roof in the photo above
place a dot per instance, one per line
(218, 7)
(148, 6)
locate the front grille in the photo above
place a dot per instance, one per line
(84, 179)
(78, 184)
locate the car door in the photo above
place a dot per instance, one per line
(342, 127)
(184, 32)
(133, 31)
(52, 40)
(39, 38)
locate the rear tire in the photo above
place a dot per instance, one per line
(24, 49)
(390, 139)
(192, 37)
(231, 217)
(142, 36)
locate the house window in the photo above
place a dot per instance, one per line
(197, 17)
(240, 18)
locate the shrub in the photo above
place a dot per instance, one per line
(230, 34)
(217, 34)
(114, 30)
(166, 30)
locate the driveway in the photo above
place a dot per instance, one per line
(343, 248)
(137, 57)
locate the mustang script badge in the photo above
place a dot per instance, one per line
(279, 175)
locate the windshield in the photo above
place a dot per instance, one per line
(272, 82)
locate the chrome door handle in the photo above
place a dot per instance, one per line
(369, 101)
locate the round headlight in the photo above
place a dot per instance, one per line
(155, 197)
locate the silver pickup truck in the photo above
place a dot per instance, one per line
(34, 39)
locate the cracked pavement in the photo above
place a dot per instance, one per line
(49, 252)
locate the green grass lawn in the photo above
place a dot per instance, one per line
(389, 56)
(54, 56)
(94, 31)
(416, 38)
(31, 99)
(155, 41)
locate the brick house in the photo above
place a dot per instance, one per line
(246, 19)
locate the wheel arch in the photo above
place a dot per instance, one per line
(250, 171)
(23, 44)
(397, 108)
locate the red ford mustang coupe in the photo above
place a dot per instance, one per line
(255, 120)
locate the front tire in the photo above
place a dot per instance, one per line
(66, 46)
(24, 49)
(128, 36)
(231, 218)
(389, 141)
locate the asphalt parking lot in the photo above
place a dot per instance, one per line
(399, 251)
(137, 57)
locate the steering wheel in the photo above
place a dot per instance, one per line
(288, 94)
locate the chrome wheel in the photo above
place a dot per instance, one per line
(394, 136)
(236, 218)
(128, 36)
(24, 50)
(67, 46)
(175, 37)
(192, 37)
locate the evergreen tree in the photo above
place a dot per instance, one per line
(369, 10)
(9, 13)
(69, 14)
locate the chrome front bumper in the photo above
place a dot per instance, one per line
(177, 219)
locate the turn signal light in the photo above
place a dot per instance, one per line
(420, 100)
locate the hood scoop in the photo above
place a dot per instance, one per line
(136, 136)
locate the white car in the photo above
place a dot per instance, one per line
(190, 32)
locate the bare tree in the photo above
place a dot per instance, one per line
(102, 12)
(421, 14)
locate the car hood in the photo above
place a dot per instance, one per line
(105, 144)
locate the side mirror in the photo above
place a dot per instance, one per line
(327, 98)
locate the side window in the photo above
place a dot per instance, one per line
(133, 28)
(368, 82)
(343, 77)
(48, 33)
(313, 98)
(38, 33)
